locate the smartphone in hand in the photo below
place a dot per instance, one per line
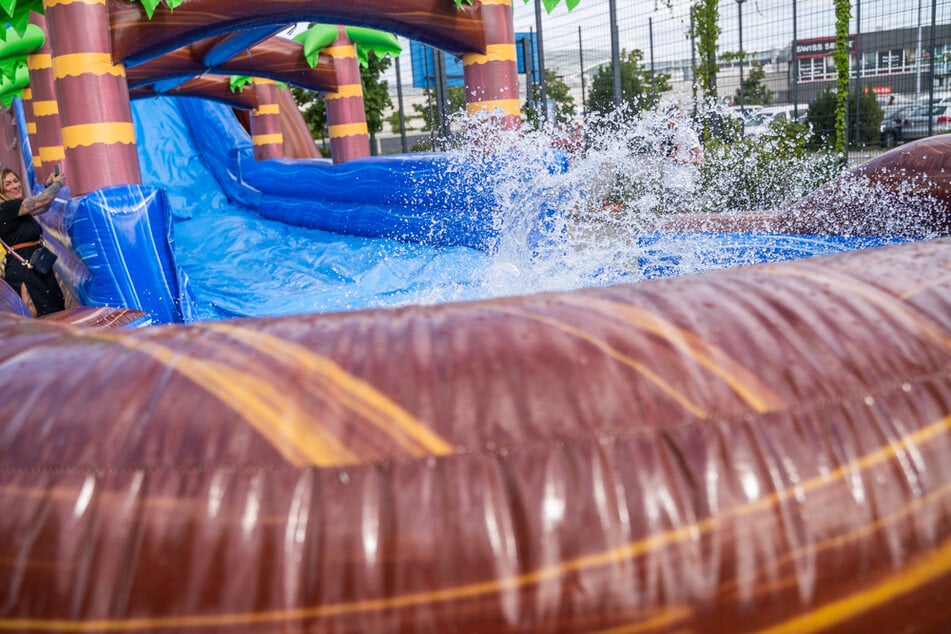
(56, 170)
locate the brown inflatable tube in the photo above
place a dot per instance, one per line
(762, 449)
(905, 192)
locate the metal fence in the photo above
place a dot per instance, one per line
(900, 50)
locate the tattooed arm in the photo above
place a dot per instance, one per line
(41, 202)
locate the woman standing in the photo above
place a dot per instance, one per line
(22, 233)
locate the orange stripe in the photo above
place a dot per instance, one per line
(347, 90)
(641, 368)
(267, 139)
(45, 108)
(348, 129)
(53, 3)
(741, 380)
(903, 582)
(894, 306)
(77, 64)
(39, 61)
(340, 52)
(87, 134)
(359, 396)
(52, 153)
(493, 53)
(268, 108)
(506, 106)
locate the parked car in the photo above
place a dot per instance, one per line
(757, 123)
(914, 124)
(891, 128)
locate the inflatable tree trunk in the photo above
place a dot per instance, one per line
(98, 134)
(346, 117)
(47, 142)
(266, 133)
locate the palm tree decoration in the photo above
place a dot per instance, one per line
(320, 36)
(548, 4)
(150, 5)
(18, 12)
(14, 49)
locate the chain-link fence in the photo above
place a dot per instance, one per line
(774, 58)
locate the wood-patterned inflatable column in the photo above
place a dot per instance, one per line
(48, 149)
(266, 132)
(346, 114)
(98, 135)
(31, 130)
(492, 78)
(10, 154)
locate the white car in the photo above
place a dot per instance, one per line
(759, 122)
(914, 124)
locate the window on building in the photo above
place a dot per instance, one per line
(816, 69)
(942, 60)
(890, 61)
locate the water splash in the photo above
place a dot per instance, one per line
(590, 222)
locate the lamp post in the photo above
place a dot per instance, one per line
(540, 50)
(739, 5)
(615, 52)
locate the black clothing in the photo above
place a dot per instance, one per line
(15, 228)
(44, 290)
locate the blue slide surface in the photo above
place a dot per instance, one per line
(213, 234)
(245, 236)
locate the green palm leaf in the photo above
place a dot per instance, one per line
(240, 82)
(551, 4)
(315, 39)
(320, 36)
(367, 40)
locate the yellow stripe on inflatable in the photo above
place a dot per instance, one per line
(347, 90)
(507, 106)
(348, 129)
(86, 134)
(263, 81)
(75, 64)
(340, 52)
(31, 127)
(267, 139)
(45, 108)
(39, 61)
(326, 377)
(493, 53)
(505, 3)
(52, 153)
(268, 108)
(37, 162)
(26, 95)
(53, 3)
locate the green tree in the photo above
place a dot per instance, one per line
(376, 92)
(822, 117)
(556, 90)
(312, 108)
(394, 120)
(635, 85)
(429, 111)
(755, 91)
(376, 99)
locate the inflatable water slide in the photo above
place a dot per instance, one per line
(754, 449)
